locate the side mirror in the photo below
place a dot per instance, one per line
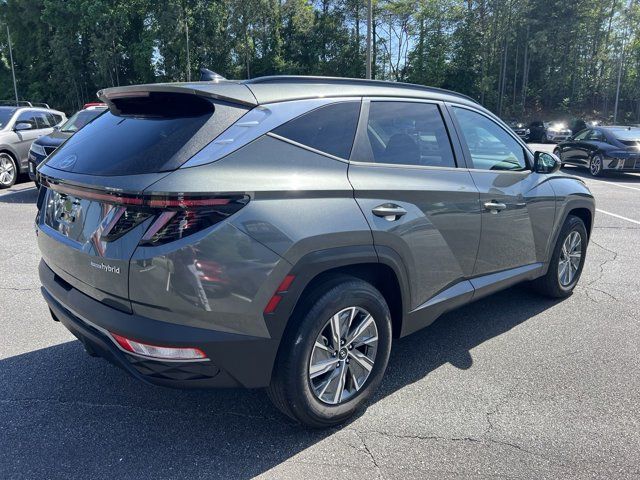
(56, 127)
(20, 126)
(544, 162)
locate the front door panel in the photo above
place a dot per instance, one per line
(517, 234)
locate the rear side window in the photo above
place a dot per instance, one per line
(490, 146)
(330, 129)
(407, 133)
(147, 141)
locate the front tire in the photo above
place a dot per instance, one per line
(334, 358)
(567, 261)
(596, 166)
(8, 170)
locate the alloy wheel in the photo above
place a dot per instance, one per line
(343, 355)
(7, 170)
(570, 258)
(595, 165)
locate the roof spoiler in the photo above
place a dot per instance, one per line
(233, 92)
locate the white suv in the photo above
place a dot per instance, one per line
(19, 127)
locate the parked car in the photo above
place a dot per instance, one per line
(603, 150)
(278, 232)
(46, 145)
(543, 132)
(19, 127)
(521, 130)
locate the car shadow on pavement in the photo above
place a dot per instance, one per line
(65, 415)
(27, 195)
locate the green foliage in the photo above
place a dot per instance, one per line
(518, 57)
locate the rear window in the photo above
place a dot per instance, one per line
(144, 137)
(330, 129)
(628, 134)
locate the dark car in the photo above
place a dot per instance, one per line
(543, 132)
(46, 145)
(278, 232)
(603, 149)
(521, 130)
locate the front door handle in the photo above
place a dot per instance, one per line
(389, 211)
(494, 207)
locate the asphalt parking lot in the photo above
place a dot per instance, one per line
(514, 385)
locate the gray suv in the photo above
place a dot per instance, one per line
(279, 232)
(19, 127)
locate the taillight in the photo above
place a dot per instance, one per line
(175, 215)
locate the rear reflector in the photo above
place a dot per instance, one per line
(275, 300)
(155, 351)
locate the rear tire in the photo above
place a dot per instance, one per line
(8, 170)
(558, 282)
(297, 389)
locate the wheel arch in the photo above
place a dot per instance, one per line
(382, 268)
(583, 214)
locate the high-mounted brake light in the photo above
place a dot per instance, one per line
(158, 352)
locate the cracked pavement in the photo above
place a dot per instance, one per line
(513, 386)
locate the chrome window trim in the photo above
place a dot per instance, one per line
(306, 147)
(257, 122)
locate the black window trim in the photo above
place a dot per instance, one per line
(363, 125)
(528, 154)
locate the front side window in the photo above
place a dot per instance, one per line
(29, 117)
(330, 129)
(407, 133)
(490, 146)
(596, 136)
(582, 135)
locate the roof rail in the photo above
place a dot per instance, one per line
(13, 103)
(41, 104)
(345, 80)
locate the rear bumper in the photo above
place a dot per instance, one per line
(234, 360)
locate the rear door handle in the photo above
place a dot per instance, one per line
(494, 207)
(389, 211)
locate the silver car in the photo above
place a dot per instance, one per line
(19, 127)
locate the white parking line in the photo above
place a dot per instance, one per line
(615, 184)
(618, 216)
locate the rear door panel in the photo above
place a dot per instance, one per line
(438, 236)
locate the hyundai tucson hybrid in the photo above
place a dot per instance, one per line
(603, 150)
(19, 127)
(279, 232)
